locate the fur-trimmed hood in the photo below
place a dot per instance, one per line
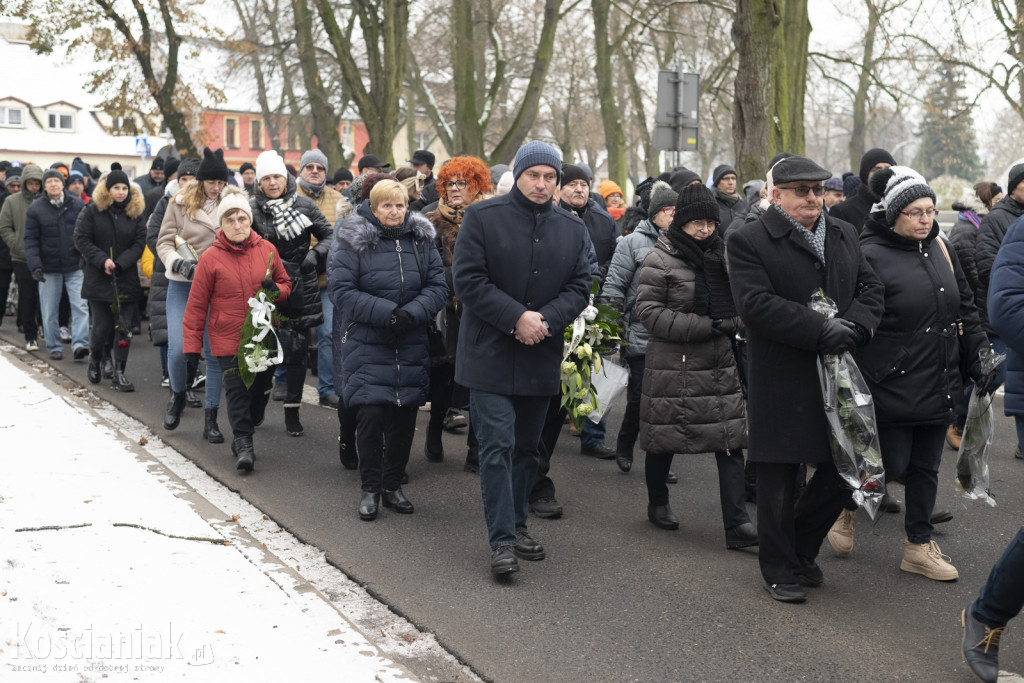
(103, 201)
(362, 232)
(969, 201)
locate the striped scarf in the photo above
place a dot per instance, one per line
(289, 222)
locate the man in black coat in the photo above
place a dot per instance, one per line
(423, 161)
(990, 237)
(776, 263)
(731, 205)
(855, 210)
(155, 177)
(522, 270)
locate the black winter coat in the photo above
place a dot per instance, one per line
(514, 256)
(369, 276)
(428, 196)
(102, 230)
(730, 208)
(158, 280)
(602, 230)
(304, 308)
(855, 210)
(912, 364)
(50, 234)
(964, 240)
(774, 271)
(990, 237)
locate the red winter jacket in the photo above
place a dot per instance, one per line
(226, 277)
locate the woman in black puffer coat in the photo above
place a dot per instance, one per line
(691, 398)
(287, 220)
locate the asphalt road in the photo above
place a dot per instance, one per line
(616, 599)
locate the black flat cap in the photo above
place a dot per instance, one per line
(792, 169)
(370, 161)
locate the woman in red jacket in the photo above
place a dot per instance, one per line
(230, 272)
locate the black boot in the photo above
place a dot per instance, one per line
(624, 459)
(243, 450)
(94, 370)
(191, 399)
(433, 449)
(291, 422)
(173, 415)
(211, 432)
(120, 382)
(107, 368)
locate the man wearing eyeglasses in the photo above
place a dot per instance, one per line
(776, 263)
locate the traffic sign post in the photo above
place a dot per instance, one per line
(676, 119)
(142, 147)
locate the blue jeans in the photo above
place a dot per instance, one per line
(325, 349)
(999, 346)
(177, 297)
(508, 430)
(1002, 596)
(592, 434)
(49, 305)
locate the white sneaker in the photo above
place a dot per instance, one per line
(31, 345)
(65, 335)
(840, 536)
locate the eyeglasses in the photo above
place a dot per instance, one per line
(703, 225)
(316, 168)
(803, 190)
(919, 214)
(459, 184)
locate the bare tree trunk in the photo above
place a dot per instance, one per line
(614, 131)
(325, 121)
(857, 135)
(795, 32)
(270, 122)
(469, 133)
(753, 31)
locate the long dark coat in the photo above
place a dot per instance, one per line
(158, 280)
(691, 401)
(103, 229)
(912, 364)
(990, 236)
(1006, 313)
(774, 271)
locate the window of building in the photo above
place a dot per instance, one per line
(346, 130)
(11, 117)
(255, 134)
(62, 122)
(231, 133)
(293, 136)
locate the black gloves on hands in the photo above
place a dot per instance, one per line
(401, 323)
(270, 285)
(37, 275)
(838, 336)
(726, 326)
(185, 269)
(309, 262)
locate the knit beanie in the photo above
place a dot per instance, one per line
(536, 153)
(355, 190)
(54, 173)
(116, 176)
(158, 164)
(270, 163)
(505, 183)
(662, 196)
(572, 173)
(1016, 176)
(682, 178)
(12, 179)
(695, 203)
(720, 172)
(171, 167)
(608, 188)
(76, 176)
(212, 166)
(497, 171)
(189, 166)
(642, 193)
(229, 201)
(246, 166)
(313, 156)
(851, 184)
(872, 157)
(342, 174)
(898, 187)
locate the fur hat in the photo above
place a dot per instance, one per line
(231, 200)
(662, 196)
(695, 202)
(537, 153)
(116, 176)
(270, 163)
(212, 166)
(898, 187)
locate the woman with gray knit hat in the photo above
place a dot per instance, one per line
(912, 364)
(692, 402)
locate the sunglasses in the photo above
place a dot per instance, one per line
(804, 190)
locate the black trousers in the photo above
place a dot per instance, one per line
(789, 531)
(6, 275)
(383, 439)
(629, 432)
(28, 301)
(913, 454)
(244, 405)
(64, 309)
(347, 418)
(104, 339)
(442, 384)
(543, 486)
(730, 484)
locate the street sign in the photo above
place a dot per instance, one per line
(676, 116)
(142, 147)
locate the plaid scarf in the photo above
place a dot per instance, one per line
(59, 201)
(288, 222)
(816, 237)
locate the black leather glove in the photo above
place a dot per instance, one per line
(270, 285)
(37, 275)
(401, 322)
(309, 261)
(192, 358)
(184, 268)
(726, 326)
(838, 336)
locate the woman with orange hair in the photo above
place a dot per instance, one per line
(462, 181)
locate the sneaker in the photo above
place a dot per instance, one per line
(954, 436)
(165, 382)
(80, 352)
(65, 335)
(1017, 454)
(546, 508)
(454, 420)
(57, 355)
(200, 381)
(926, 559)
(840, 536)
(32, 345)
(981, 647)
(330, 401)
(786, 592)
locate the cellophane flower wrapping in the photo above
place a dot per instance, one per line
(258, 346)
(850, 411)
(972, 475)
(594, 332)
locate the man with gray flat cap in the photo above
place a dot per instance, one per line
(776, 263)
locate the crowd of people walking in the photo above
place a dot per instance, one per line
(399, 289)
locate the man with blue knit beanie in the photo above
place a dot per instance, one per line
(521, 269)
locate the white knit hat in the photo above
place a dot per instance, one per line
(270, 163)
(229, 201)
